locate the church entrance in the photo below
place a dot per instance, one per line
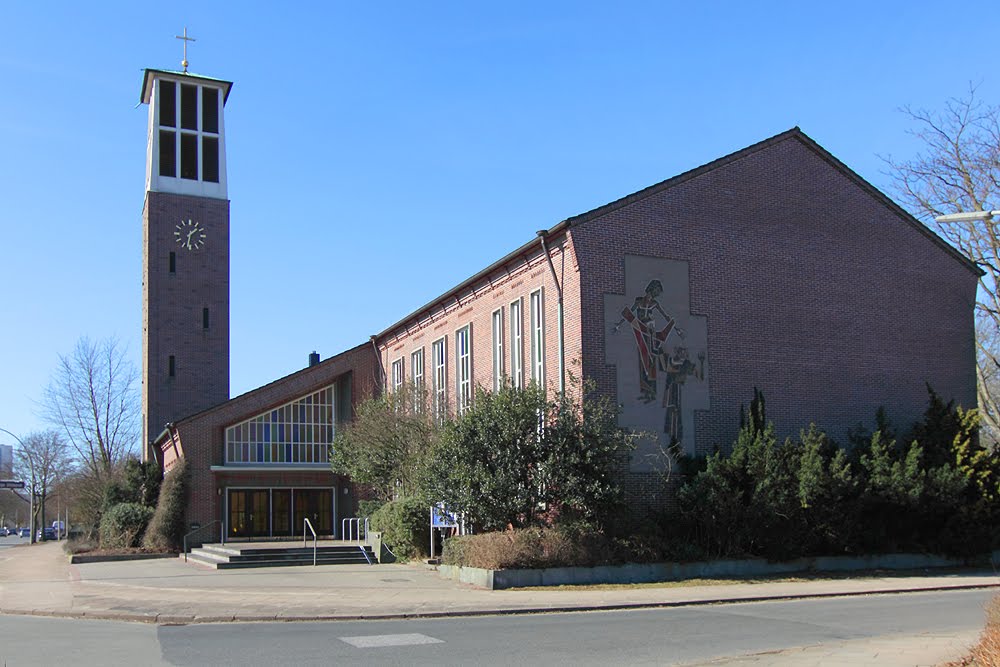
(248, 513)
(278, 513)
(317, 506)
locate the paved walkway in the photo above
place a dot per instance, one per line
(38, 580)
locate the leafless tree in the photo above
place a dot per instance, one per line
(43, 460)
(958, 170)
(92, 398)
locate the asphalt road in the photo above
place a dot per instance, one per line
(12, 540)
(657, 636)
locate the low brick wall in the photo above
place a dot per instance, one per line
(653, 572)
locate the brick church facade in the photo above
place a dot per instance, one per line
(774, 267)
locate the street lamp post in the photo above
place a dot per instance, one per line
(967, 216)
(31, 490)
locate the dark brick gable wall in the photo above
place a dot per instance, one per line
(815, 292)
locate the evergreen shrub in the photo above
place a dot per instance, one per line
(166, 529)
(404, 525)
(123, 525)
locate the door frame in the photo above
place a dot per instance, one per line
(334, 490)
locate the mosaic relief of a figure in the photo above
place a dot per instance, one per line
(641, 316)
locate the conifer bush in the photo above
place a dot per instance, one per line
(166, 529)
(123, 525)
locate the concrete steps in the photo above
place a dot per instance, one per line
(231, 556)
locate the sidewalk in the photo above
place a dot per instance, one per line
(38, 580)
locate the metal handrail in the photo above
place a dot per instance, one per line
(306, 523)
(199, 528)
(351, 529)
(365, 554)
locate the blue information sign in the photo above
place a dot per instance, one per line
(443, 519)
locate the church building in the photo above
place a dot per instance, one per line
(775, 267)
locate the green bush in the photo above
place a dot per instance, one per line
(123, 525)
(404, 525)
(515, 452)
(166, 530)
(366, 508)
(134, 482)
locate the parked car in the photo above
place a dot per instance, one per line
(4, 531)
(24, 531)
(49, 533)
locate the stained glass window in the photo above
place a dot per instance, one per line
(298, 432)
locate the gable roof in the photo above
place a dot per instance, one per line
(792, 134)
(338, 364)
(796, 134)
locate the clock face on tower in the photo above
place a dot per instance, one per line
(189, 234)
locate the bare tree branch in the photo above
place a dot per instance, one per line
(958, 170)
(92, 399)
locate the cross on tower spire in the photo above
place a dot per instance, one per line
(184, 63)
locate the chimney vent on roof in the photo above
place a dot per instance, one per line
(313, 358)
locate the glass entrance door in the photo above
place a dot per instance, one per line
(281, 512)
(248, 513)
(317, 506)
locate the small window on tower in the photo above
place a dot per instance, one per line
(210, 110)
(189, 107)
(173, 262)
(204, 318)
(170, 365)
(168, 153)
(168, 103)
(210, 159)
(189, 156)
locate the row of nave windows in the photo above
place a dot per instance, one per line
(512, 335)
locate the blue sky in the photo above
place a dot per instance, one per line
(379, 153)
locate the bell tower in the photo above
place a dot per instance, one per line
(185, 269)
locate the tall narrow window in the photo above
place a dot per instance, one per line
(397, 375)
(516, 344)
(168, 153)
(168, 103)
(498, 336)
(463, 359)
(189, 156)
(170, 366)
(204, 318)
(210, 110)
(417, 375)
(173, 262)
(537, 338)
(189, 107)
(440, 379)
(210, 159)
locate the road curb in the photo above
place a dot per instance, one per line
(181, 619)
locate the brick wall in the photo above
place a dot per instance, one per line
(815, 291)
(515, 279)
(172, 310)
(201, 437)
